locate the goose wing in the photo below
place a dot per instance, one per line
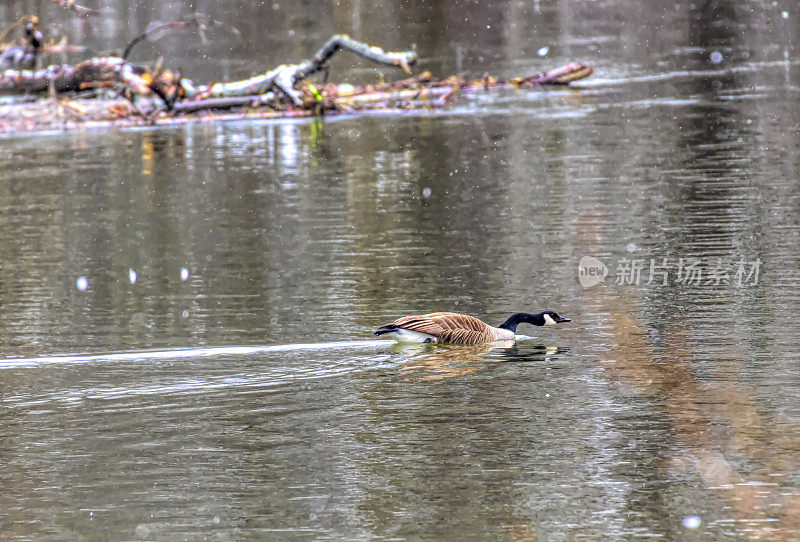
(421, 323)
(465, 337)
(448, 327)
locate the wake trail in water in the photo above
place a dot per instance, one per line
(183, 353)
(258, 379)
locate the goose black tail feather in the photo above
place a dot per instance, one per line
(388, 328)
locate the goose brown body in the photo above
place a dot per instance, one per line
(450, 328)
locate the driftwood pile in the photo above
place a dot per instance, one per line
(111, 90)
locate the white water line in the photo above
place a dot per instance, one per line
(183, 353)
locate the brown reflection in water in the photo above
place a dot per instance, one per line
(438, 362)
(728, 439)
(760, 507)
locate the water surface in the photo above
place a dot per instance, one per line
(235, 390)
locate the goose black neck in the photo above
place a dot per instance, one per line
(518, 318)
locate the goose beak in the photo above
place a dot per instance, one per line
(563, 319)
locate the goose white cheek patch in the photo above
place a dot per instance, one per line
(548, 320)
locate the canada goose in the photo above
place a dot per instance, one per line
(455, 328)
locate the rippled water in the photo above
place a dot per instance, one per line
(234, 389)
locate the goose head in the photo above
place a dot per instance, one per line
(551, 318)
(544, 318)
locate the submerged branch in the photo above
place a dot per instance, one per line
(564, 75)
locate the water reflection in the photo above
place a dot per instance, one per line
(738, 464)
(429, 362)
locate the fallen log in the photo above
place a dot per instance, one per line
(95, 73)
(418, 92)
(106, 71)
(283, 91)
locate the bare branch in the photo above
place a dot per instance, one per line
(199, 21)
(81, 11)
(285, 77)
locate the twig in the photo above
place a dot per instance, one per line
(81, 11)
(199, 21)
(560, 76)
